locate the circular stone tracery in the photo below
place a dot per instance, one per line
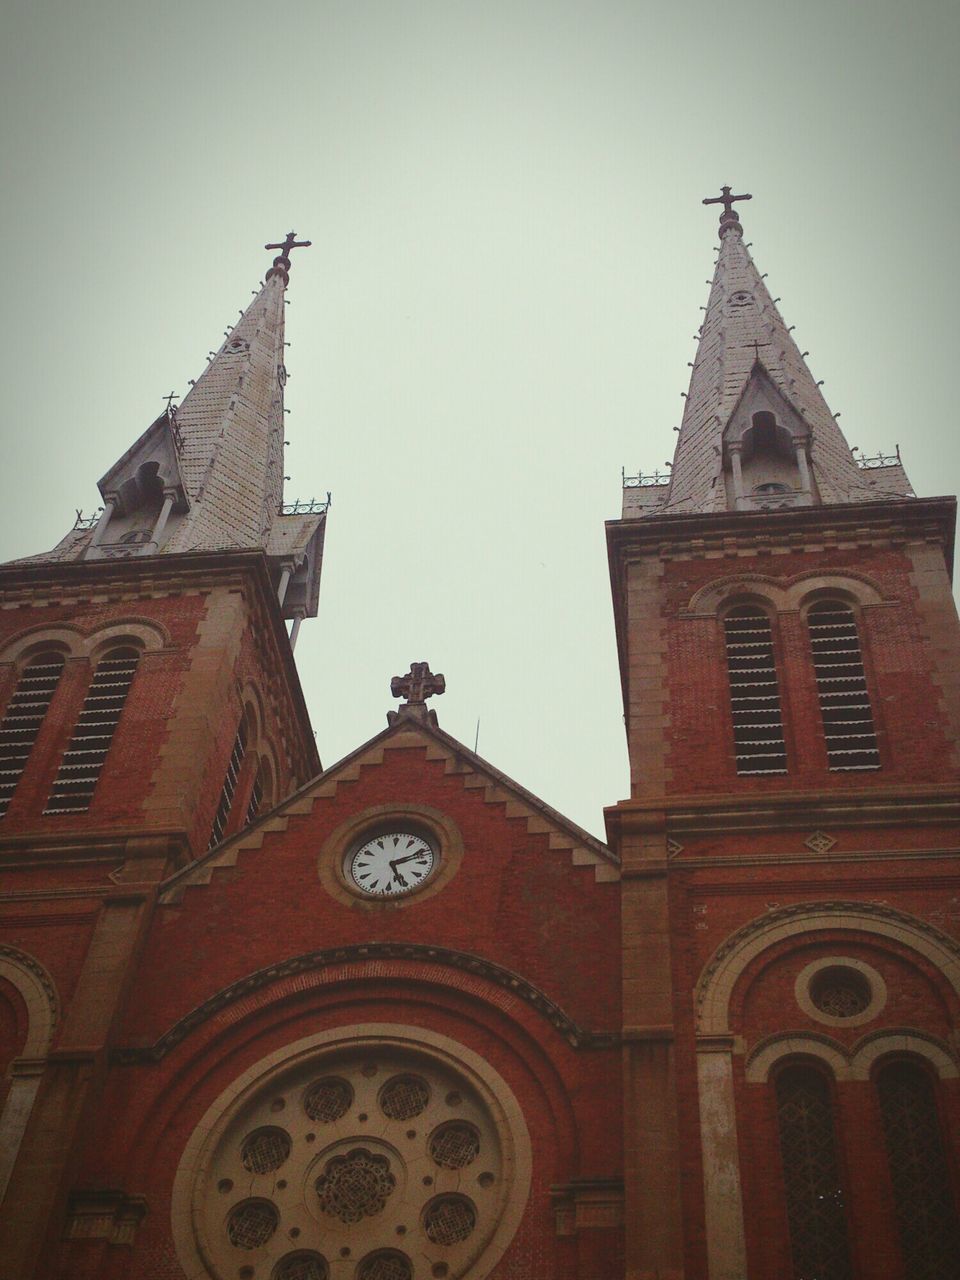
(382, 1145)
(840, 992)
(355, 1186)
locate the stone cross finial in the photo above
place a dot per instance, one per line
(281, 262)
(416, 686)
(729, 217)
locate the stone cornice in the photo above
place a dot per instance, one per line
(787, 811)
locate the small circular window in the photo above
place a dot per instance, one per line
(840, 991)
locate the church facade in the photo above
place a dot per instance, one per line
(398, 1019)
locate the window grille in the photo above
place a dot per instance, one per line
(842, 688)
(754, 693)
(926, 1214)
(256, 797)
(229, 785)
(23, 717)
(815, 1209)
(83, 759)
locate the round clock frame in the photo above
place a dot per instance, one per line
(391, 863)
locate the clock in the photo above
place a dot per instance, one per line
(390, 864)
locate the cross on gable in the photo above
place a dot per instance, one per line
(418, 684)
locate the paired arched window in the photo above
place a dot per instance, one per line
(23, 717)
(811, 1171)
(926, 1217)
(842, 687)
(754, 692)
(83, 759)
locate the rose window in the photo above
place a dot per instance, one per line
(251, 1224)
(385, 1265)
(265, 1150)
(301, 1266)
(404, 1097)
(328, 1100)
(355, 1186)
(455, 1145)
(388, 1165)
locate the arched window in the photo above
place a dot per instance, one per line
(926, 1213)
(83, 759)
(23, 717)
(227, 791)
(754, 692)
(815, 1209)
(842, 687)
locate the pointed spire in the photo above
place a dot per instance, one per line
(207, 475)
(756, 430)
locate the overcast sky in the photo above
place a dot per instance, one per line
(509, 260)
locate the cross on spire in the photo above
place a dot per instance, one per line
(729, 216)
(292, 242)
(281, 263)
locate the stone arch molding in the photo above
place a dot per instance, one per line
(856, 1064)
(39, 994)
(74, 643)
(783, 595)
(729, 961)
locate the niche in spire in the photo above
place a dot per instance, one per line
(140, 492)
(766, 450)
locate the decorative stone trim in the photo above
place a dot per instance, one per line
(819, 842)
(497, 788)
(104, 1215)
(39, 995)
(578, 1037)
(783, 595)
(731, 958)
(805, 978)
(855, 1064)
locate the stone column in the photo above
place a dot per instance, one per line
(169, 498)
(723, 1197)
(734, 448)
(800, 451)
(652, 1211)
(109, 506)
(284, 583)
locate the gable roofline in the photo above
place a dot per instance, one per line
(468, 763)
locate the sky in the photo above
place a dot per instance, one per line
(509, 261)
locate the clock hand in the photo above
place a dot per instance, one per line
(409, 858)
(399, 878)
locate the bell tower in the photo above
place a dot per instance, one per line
(150, 708)
(789, 663)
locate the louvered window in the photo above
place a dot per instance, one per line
(815, 1209)
(926, 1214)
(23, 717)
(256, 797)
(83, 759)
(754, 693)
(842, 688)
(229, 788)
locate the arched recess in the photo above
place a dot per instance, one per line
(726, 1248)
(782, 595)
(43, 1010)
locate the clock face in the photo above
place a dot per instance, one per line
(391, 864)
